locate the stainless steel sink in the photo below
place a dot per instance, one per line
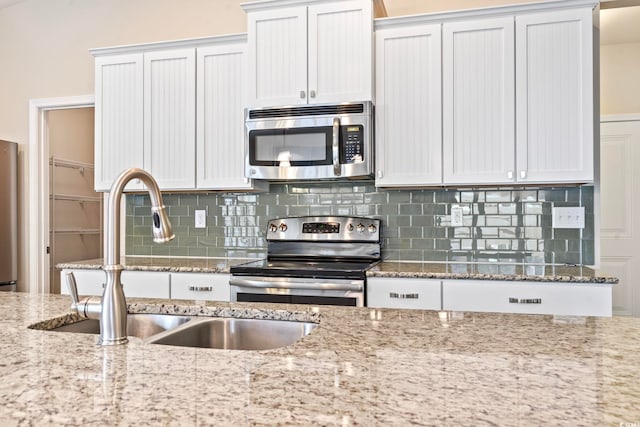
(236, 334)
(138, 325)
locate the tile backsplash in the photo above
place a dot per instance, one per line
(506, 225)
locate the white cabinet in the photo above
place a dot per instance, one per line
(136, 284)
(555, 96)
(423, 294)
(89, 282)
(200, 286)
(221, 82)
(170, 117)
(145, 117)
(315, 53)
(408, 106)
(119, 117)
(517, 101)
(478, 101)
(576, 299)
(148, 98)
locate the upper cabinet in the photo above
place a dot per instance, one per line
(478, 101)
(555, 107)
(517, 101)
(309, 51)
(409, 106)
(175, 109)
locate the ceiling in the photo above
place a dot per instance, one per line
(617, 24)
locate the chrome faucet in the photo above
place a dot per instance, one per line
(112, 308)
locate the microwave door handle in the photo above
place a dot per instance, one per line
(336, 146)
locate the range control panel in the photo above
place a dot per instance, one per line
(325, 228)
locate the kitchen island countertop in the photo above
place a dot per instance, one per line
(362, 366)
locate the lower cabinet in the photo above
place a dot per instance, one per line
(572, 299)
(200, 286)
(423, 294)
(154, 284)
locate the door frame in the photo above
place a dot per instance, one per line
(37, 174)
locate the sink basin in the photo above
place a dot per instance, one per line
(236, 334)
(138, 325)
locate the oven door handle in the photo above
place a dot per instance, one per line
(295, 285)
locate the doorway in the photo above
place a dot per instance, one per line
(75, 209)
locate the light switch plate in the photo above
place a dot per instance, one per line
(201, 219)
(568, 217)
(456, 216)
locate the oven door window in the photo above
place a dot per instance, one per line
(309, 146)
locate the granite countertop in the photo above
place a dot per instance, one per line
(359, 367)
(430, 270)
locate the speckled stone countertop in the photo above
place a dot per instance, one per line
(489, 271)
(475, 271)
(176, 265)
(359, 367)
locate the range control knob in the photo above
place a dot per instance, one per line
(372, 228)
(273, 228)
(349, 227)
(283, 227)
(360, 228)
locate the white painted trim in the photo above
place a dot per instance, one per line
(620, 118)
(170, 44)
(441, 17)
(36, 234)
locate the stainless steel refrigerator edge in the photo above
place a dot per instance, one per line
(8, 215)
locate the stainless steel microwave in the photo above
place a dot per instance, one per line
(312, 142)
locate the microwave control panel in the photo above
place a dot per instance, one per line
(352, 144)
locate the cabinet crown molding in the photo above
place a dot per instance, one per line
(379, 8)
(442, 17)
(170, 44)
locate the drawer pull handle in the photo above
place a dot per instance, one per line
(525, 300)
(200, 288)
(403, 296)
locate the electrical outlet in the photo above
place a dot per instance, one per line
(567, 217)
(201, 219)
(456, 216)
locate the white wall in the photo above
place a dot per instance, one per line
(619, 78)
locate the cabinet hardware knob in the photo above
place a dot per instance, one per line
(312, 93)
(303, 94)
(523, 174)
(510, 175)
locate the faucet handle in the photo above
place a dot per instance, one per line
(73, 287)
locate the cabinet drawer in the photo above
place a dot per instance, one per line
(420, 294)
(581, 299)
(145, 284)
(200, 286)
(90, 282)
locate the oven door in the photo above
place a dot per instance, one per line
(290, 290)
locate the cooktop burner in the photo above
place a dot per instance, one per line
(302, 268)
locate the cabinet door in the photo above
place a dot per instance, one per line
(555, 121)
(145, 284)
(423, 294)
(478, 101)
(408, 106)
(200, 286)
(170, 117)
(118, 118)
(277, 56)
(220, 136)
(340, 51)
(89, 282)
(570, 299)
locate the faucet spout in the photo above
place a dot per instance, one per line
(113, 315)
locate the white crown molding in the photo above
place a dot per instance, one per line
(442, 17)
(170, 44)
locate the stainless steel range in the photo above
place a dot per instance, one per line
(311, 260)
